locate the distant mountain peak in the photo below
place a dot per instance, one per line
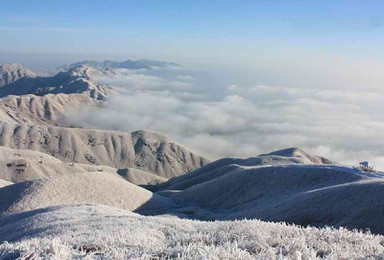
(297, 152)
(74, 80)
(288, 152)
(128, 64)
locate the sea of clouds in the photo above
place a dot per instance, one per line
(223, 119)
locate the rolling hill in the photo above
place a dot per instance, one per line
(316, 195)
(82, 187)
(223, 166)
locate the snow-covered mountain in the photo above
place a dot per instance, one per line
(49, 109)
(75, 80)
(223, 166)
(51, 173)
(19, 165)
(128, 64)
(12, 72)
(287, 185)
(145, 150)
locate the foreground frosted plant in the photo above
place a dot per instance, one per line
(93, 231)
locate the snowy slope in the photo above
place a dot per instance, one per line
(4, 183)
(22, 165)
(82, 187)
(145, 150)
(314, 195)
(223, 166)
(42, 110)
(139, 177)
(91, 231)
(12, 72)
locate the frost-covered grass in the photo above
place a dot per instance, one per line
(100, 232)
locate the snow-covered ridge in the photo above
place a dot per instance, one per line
(49, 109)
(12, 72)
(75, 80)
(220, 167)
(145, 150)
(286, 185)
(294, 190)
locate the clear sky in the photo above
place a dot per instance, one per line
(274, 33)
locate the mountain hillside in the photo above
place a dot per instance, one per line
(22, 165)
(139, 177)
(223, 166)
(315, 195)
(76, 188)
(12, 72)
(42, 110)
(145, 150)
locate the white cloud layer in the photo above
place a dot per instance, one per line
(240, 121)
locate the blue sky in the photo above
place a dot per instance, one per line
(272, 33)
(37, 26)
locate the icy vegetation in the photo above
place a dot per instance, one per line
(64, 233)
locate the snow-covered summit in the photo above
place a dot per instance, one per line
(295, 152)
(220, 167)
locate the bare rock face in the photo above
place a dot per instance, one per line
(12, 72)
(145, 150)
